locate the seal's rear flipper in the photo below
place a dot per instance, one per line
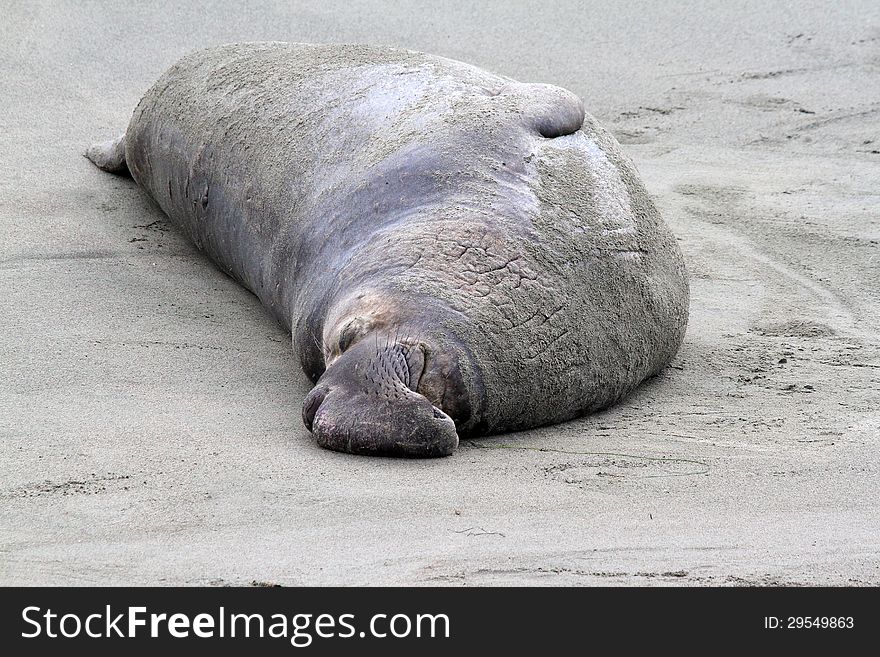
(109, 155)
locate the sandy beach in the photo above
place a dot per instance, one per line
(150, 427)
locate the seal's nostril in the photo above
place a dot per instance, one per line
(311, 404)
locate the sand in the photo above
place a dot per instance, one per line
(149, 407)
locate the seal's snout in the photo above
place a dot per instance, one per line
(311, 404)
(365, 404)
(353, 425)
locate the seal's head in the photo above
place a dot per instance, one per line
(392, 384)
(368, 402)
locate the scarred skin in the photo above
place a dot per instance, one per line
(454, 252)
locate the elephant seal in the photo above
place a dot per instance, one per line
(454, 252)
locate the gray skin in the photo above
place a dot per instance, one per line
(454, 252)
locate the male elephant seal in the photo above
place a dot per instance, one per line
(453, 252)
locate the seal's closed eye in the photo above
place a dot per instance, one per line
(347, 336)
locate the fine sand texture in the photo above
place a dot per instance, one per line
(150, 426)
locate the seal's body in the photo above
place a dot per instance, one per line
(453, 251)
